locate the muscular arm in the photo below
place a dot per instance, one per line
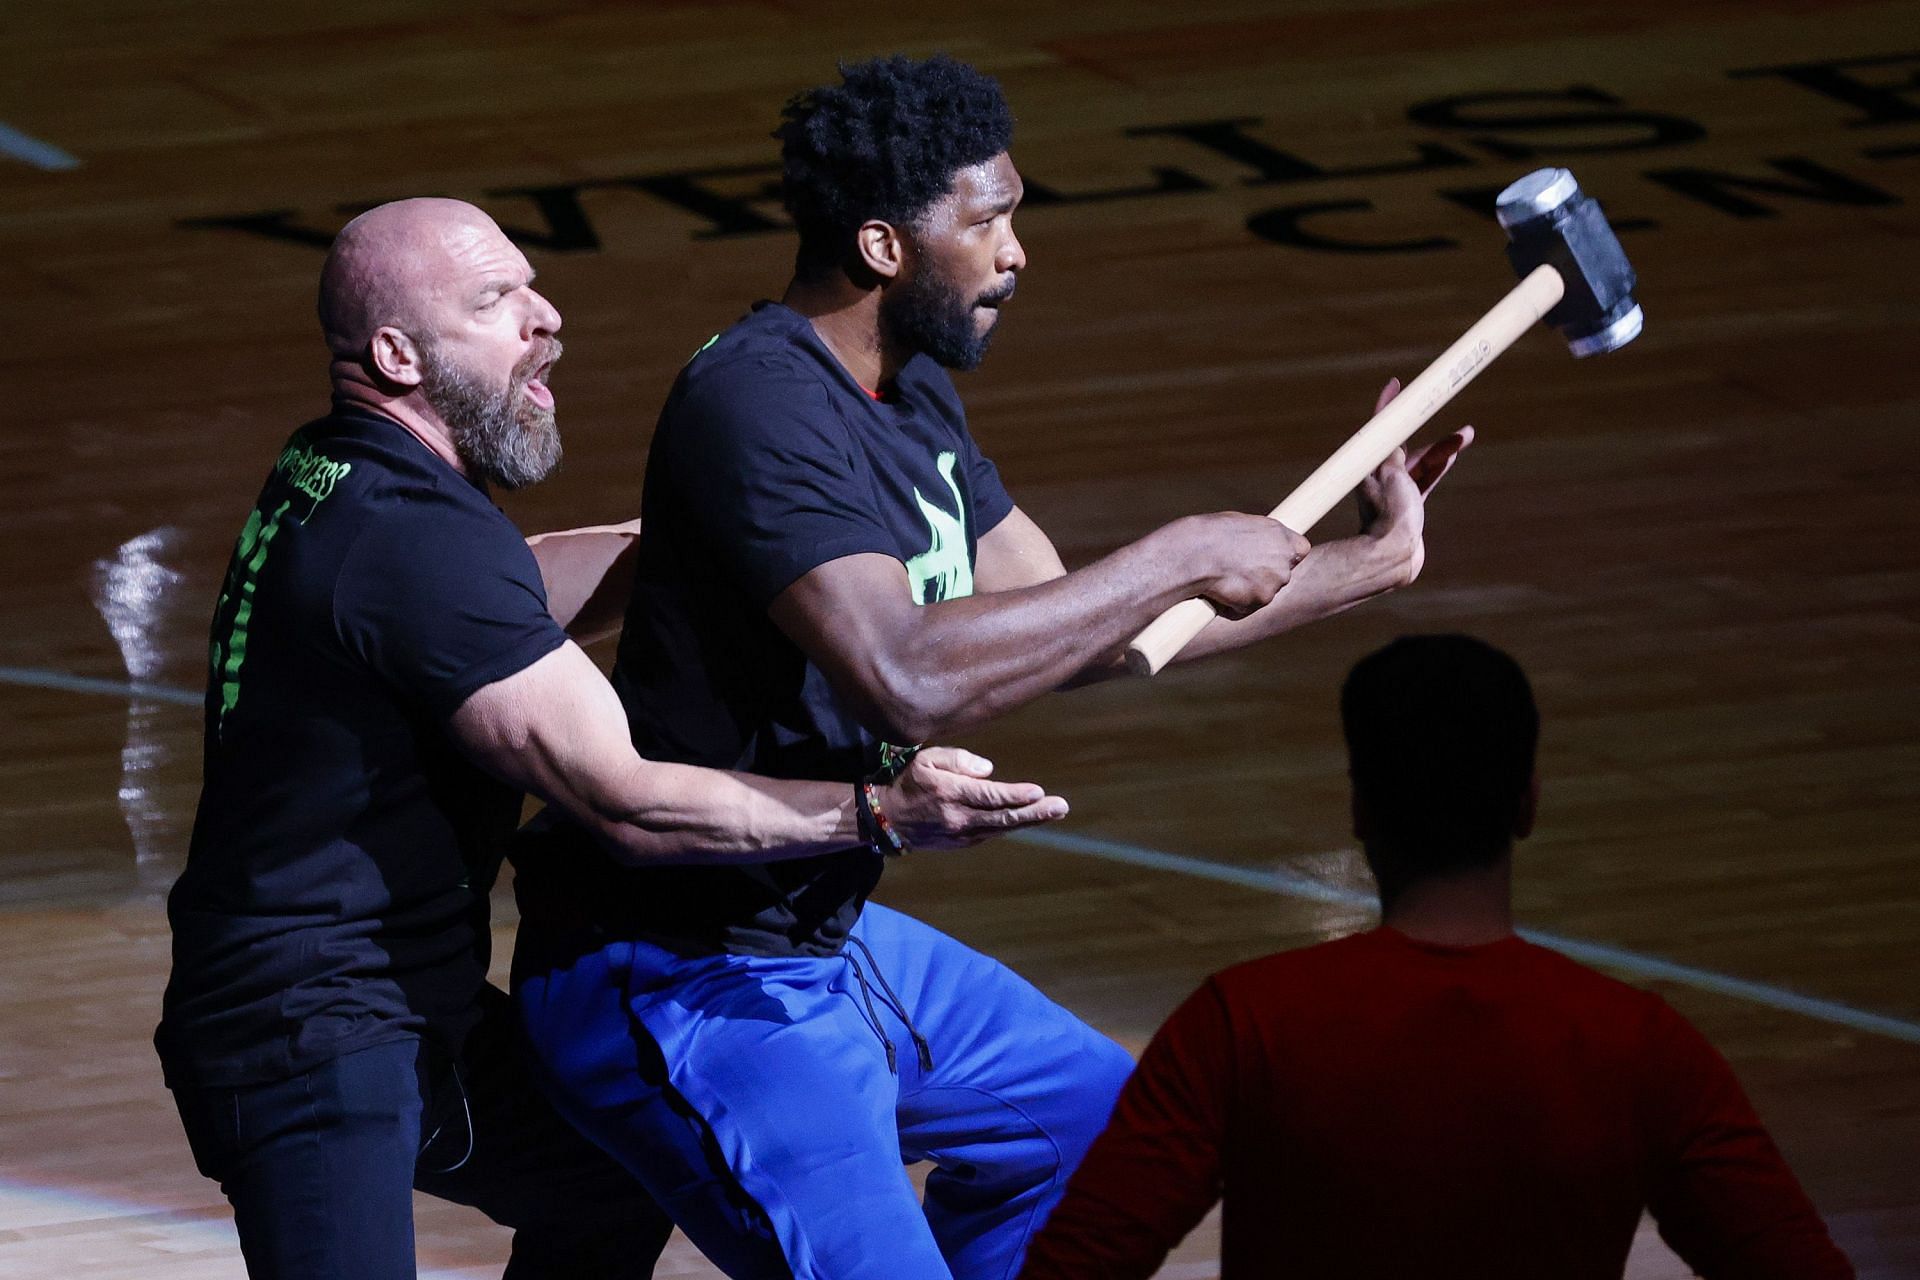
(917, 672)
(921, 672)
(556, 729)
(587, 573)
(1332, 578)
(1032, 627)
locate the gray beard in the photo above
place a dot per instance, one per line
(499, 434)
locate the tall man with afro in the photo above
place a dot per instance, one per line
(828, 565)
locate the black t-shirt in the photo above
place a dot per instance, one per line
(335, 893)
(769, 461)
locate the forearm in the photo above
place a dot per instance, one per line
(669, 814)
(966, 661)
(556, 729)
(1334, 577)
(587, 573)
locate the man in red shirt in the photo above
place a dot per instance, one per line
(1435, 1097)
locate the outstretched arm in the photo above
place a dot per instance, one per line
(1032, 627)
(1335, 576)
(556, 729)
(1387, 553)
(917, 672)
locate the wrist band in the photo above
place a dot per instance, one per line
(875, 828)
(893, 762)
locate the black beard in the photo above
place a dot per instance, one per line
(925, 313)
(500, 435)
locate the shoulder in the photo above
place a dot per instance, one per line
(1249, 989)
(768, 353)
(1589, 985)
(1338, 955)
(752, 398)
(1635, 1025)
(745, 402)
(421, 525)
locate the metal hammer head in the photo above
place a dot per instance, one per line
(1548, 220)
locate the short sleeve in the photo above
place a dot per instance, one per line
(991, 501)
(766, 470)
(440, 597)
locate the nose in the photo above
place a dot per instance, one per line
(543, 316)
(1011, 256)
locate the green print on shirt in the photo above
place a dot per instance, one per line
(942, 571)
(312, 474)
(249, 554)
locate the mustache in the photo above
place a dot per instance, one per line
(994, 297)
(549, 352)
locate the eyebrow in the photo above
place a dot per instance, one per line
(505, 284)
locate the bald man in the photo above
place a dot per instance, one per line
(388, 677)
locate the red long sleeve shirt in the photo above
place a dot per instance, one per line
(1379, 1107)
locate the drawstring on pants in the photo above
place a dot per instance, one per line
(893, 1002)
(466, 1112)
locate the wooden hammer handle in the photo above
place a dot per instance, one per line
(1392, 427)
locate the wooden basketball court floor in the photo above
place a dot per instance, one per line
(1243, 218)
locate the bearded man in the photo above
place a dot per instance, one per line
(386, 679)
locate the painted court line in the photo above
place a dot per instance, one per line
(35, 678)
(1286, 883)
(1291, 884)
(41, 155)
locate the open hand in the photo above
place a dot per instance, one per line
(1393, 499)
(945, 800)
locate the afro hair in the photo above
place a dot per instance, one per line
(883, 143)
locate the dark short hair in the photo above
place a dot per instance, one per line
(1441, 736)
(883, 143)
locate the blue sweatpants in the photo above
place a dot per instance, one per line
(756, 1100)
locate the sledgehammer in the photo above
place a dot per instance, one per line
(1574, 275)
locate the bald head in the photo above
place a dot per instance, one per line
(433, 320)
(389, 265)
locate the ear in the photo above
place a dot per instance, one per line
(395, 357)
(1529, 809)
(882, 248)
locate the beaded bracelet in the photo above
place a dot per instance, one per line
(881, 835)
(875, 828)
(876, 832)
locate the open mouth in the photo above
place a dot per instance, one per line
(537, 388)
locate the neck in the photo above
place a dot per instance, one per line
(847, 319)
(352, 386)
(1458, 909)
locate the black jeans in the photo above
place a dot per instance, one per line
(321, 1168)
